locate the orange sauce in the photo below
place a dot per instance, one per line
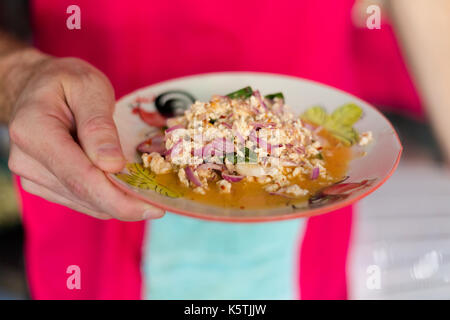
(251, 195)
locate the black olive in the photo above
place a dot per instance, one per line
(173, 103)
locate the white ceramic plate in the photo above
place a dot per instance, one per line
(365, 173)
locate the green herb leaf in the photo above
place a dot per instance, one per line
(347, 135)
(316, 115)
(250, 156)
(231, 157)
(143, 178)
(339, 123)
(243, 93)
(274, 95)
(347, 115)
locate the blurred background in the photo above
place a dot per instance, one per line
(403, 229)
(14, 19)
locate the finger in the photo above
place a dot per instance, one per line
(92, 102)
(51, 196)
(64, 158)
(26, 167)
(23, 165)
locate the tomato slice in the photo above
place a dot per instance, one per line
(153, 118)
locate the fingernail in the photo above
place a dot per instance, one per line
(152, 214)
(109, 151)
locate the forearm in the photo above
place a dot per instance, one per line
(423, 27)
(15, 61)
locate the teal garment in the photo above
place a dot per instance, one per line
(187, 258)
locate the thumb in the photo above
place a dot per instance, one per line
(97, 133)
(99, 139)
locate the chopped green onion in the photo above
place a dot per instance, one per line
(231, 157)
(274, 95)
(243, 93)
(249, 157)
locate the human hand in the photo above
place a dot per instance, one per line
(63, 139)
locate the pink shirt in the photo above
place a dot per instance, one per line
(137, 43)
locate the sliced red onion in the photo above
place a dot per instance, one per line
(198, 140)
(315, 173)
(255, 110)
(197, 152)
(275, 146)
(232, 178)
(225, 124)
(263, 124)
(229, 146)
(223, 145)
(258, 97)
(175, 148)
(296, 148)
(237, 134)
(192, 177)
(210, 165)
(299, 149)
(263, 144)
(252, 136)
(259, 142)
(178, 126)
(208, 150)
